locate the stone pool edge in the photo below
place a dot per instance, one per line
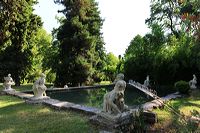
(54, 103)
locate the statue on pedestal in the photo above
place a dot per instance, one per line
(193, 82)
(146, 82)
(114, 100)
(8, 82)
(39, 88)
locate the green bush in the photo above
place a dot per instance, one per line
(182, 86)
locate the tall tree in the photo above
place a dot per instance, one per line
(140, 57)
(80, 42)
(19, 27)
(176, 16)
(166, 14)
(41, 53)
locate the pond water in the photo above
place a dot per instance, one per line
(94, 97)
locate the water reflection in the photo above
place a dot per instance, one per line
(94, 97)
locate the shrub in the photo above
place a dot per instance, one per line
(182, 86)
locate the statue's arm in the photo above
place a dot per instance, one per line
(111, 102)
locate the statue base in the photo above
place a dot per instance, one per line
(193, 87)
(8, 89)
(128, 121)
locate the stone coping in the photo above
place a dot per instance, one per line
(160, 102)
(54, 103)
(72, 88)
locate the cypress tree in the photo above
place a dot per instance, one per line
(80, 42)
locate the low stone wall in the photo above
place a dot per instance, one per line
(159, 103)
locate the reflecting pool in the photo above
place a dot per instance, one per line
(94, 97)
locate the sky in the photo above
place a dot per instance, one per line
(123, 20)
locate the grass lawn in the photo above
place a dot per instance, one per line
(18, 117)
(172, 123)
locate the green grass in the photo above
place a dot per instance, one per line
(170, 122)
(18, 117)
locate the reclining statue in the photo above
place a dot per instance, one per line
(114, 100)
(8, 82)
(39, 87)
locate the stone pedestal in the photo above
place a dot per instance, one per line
(8, 89)
(130, 121)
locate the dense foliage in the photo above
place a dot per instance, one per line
(182, 86)
(110, 68)
(170, 52)
(18, 27)
(80, 43)
(41, 52)
(176, 16)
(74, 54)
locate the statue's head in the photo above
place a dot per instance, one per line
(120, 76)
(9, 75)
(120, 85)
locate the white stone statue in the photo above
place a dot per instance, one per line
(8, 82)
(130, 81)
(39, 88)
(66, 87)
(114, 100)
(146, 82)
(193, 82)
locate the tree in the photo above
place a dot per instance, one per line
(42, 53)
(165, 13)
(19, 26)
(111, 66)
(190, 17)
(80, 42)
(141, 56)
(176, 16)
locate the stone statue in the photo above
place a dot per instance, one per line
(39, 88)
(146, 82)
(193, 82)
(119, 76)
(130, 81)
(66, 87)
(8, 82)
(114, 100)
